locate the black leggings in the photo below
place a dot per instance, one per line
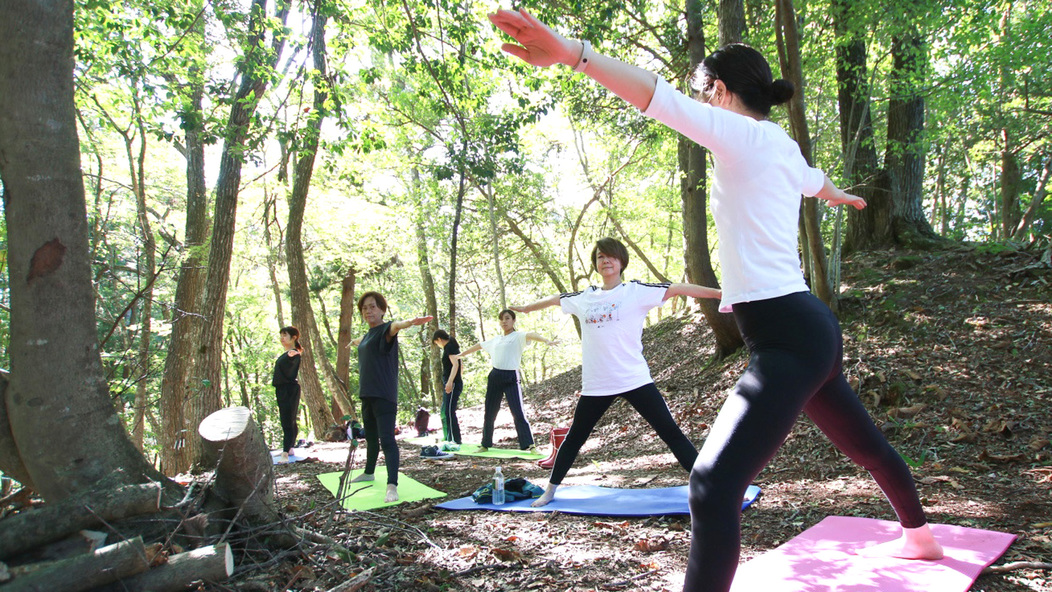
(648, 402)
(450, 425)
(503, 384)
(379, 417)
(795, 356)
(288, 408)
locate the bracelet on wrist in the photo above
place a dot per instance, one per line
(586, 56)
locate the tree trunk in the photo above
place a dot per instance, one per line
(1011, 181)
(270, 216)
(244, 479)
(495, 244)
(86, 571)
(871, 226)
(697, 262)
(904, 158)
(435, 385)
(789, 56)
(213, 563)
(461, 189)
(302, 311)
(343, 336)
(255, 71)
(57, 382)
(186, 315)
(1035, 202)
(10, 459)
(731, 22)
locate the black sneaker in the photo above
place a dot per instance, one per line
(433, 453)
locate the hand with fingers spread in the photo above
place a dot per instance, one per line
(538, 44)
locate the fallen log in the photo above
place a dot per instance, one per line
(355, 583)
(209, 564)
(245, 471)
(87, 571)
(26, 530)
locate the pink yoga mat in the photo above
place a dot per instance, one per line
(821, 560)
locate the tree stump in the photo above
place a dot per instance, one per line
(244, 469)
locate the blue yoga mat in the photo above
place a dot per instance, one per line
(590, 500)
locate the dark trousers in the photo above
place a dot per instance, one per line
(288, 411)
(450, 425)
(379, 417)
(795, 356)
(648, 402)
(503, 384)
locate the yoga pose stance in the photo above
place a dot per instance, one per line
(453, 380)
(378, 387)
(612, 363)
(287, 389)
(503, 382)
(794, 341)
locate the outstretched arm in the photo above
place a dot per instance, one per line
(542, 303)
(540, 46)
(534, 336)
(836, 196)
(470, 350)
(397, 326)
(692, 290)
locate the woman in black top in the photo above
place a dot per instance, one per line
(378, 387)
(453, 380)
(286, 370)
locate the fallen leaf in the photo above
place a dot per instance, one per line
(507, 554)
(652, 545)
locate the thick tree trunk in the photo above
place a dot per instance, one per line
(186, 314)
(789, 56)
(57, 382)
(731, 22)
(343, 336)
(255, 72)
(871, 226)
(904, 158)
(245, 471)
(697, 262)
(1011, 181)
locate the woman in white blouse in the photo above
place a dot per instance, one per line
(504, 380)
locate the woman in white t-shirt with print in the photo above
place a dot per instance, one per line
(504, 380)
(612, 363)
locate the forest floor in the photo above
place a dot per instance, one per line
(949, 350)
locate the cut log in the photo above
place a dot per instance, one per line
(10, 458)
(24, 531)
(85, 572)
(244, 469)
(209, 564)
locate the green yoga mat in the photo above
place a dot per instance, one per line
(370, 494)
(473, 450)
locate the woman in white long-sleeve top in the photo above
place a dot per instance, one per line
(794, 340)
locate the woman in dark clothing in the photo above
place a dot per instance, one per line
(453, 383)
(286, 370)
(378, 387)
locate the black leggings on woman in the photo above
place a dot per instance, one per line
(648, 402)
(795, 356)
(505, 384)
(288, 395)
(379, 417)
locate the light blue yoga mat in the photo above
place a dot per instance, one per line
(590, 500)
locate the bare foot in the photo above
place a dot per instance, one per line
(915, 543)
(483, 449)
(392, 493)
(284, 457)
(547, 497)
(533, 450)
(362, 478)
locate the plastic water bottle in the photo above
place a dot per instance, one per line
(498, 488)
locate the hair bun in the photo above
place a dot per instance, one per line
(781, 91)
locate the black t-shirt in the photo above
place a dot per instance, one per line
(286, 369)
(378, 364)
(447, 366)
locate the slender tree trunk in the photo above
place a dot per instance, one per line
(1010, 186)
(343, 336)
(697, 262)
(186, 314)
(255, 72)
(789, 56)
(57, 384)
(149, 247)
(302, 311)
(1035, 202)
(495, 244)
(270, 216)
(435, 385)
(731, 22)
(461, 189)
